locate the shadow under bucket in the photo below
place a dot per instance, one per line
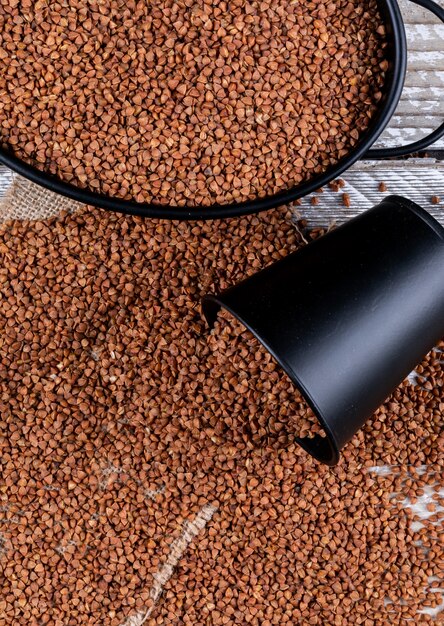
(349, 315)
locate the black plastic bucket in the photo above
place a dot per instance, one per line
(350, 315)
(397, 55)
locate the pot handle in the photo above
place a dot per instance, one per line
(421, 144)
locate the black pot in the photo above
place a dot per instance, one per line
(348, 316)
(397, 53)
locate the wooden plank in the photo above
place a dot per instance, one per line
(421, 108)
(424, 78)
(425, 37)
(418, 107)
(414, 14)
(410, 120)
(424, 93)
(425, 60)
(395, 136)
(5, 179)
(427, 100)
(417, 179)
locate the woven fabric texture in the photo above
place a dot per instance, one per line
(25, 200)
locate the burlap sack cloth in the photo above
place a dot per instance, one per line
(25, 200)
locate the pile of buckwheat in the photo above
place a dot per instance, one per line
(148, 471)
(184, 102)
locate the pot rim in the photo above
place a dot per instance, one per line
(394, 86)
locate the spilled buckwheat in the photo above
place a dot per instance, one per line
(148, 470)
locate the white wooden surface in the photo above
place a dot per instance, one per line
(416, 179)
(422, 105)
(421, 110)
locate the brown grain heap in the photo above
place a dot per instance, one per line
(188, 103)
(147, 472)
